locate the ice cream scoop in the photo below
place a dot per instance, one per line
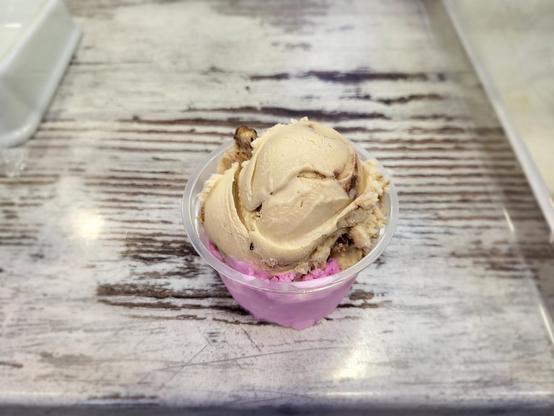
(292, 299)
(290, 199)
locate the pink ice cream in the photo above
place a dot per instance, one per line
(332, 267)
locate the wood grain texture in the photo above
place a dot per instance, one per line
(103, 302)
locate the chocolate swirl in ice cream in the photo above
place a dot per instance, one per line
(292, 198)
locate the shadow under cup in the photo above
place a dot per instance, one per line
(293, 304)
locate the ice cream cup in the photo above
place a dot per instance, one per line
(292, 304)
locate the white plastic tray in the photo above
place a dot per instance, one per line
(37, 39)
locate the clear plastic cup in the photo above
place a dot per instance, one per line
(292, 304)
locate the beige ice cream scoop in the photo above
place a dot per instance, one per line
(284, 209)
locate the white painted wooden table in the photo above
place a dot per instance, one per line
(104, 304)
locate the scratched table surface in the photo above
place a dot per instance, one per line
(104, 304)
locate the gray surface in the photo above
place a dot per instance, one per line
(510, 45)
(103, 303)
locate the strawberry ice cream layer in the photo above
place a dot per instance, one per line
(332, 267)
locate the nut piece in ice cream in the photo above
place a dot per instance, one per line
(240, 151)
